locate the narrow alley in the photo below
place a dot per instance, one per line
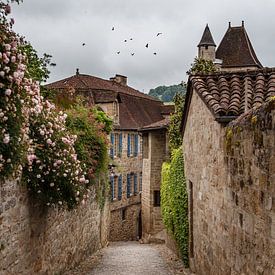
(131, 258)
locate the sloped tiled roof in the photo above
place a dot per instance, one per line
(236, 50)
(207, 39)
(162, 124)
(228, 95)
(137, 112)
(136, 109)
(82, 81)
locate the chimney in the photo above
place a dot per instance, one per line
(120, 79)
(77, 71)
(243, 24)
(229, 24)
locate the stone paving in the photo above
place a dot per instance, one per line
(131, 258)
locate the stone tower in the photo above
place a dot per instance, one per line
(207, 45)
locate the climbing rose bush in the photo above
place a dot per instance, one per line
(14, 89)
(32, 133)
(53, 173)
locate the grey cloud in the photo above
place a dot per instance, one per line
(60, 27)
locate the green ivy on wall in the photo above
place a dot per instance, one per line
(174, 202)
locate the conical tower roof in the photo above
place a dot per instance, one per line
(236, 50)
(207, 39)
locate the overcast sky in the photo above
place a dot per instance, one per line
(59, 27)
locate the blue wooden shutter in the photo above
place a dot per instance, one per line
(112, 187)
(112, 146)
(119, 195)
(135, 184)
(136, 146)
(140, 182)
(129, 146)
(120, 145)
(128, 185)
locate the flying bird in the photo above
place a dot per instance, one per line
(155, 53)
(159, 33)
(147, 45)
(83, 44)
(125, 40)
(118, 52)
(132, 54)
(113, 28)
(131, 38)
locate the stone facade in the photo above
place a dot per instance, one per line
(155, 153)
(125, 208)
(34, 240)
(231, 193)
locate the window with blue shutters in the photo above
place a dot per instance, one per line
(135, 184)
(112, 187)
(112, 146)
(129, 146)
(136, 145)
(128, 185)
(119, 195)
(120, 145)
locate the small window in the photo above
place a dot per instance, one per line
(206, 47)
(123, 214)
(156, 198)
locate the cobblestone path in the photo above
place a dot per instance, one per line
(131, 258)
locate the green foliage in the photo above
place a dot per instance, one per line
(166, 209)
(174, 202)
(201, 66)
(167, 93)
(175, 137)
(103, 119)
(37, 67)
(91, 142)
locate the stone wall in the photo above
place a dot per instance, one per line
(250, 191)
(35, 240)
(231, 193)
(151, 214)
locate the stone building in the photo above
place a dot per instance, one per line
(155, 152)
(230, 170)
(130, 110)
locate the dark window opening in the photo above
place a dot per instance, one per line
(156, 198)
(123, 214)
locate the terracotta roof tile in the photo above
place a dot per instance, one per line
(232, 94)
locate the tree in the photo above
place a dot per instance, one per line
(37, 67)
(167, 93)
(201, 65)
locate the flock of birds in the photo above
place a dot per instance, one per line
(125, 41)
